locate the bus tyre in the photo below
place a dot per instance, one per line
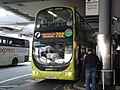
(14, 62)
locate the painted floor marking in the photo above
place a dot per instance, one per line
(8, 86)
(14, 78)
(56, 87)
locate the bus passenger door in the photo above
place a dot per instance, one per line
(77, 62)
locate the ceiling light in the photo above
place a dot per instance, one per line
(50, 12)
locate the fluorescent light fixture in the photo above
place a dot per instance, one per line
(50, 12)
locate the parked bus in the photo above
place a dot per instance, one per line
(13, 50)
(60, 37)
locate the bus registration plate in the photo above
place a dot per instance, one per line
(50, 77)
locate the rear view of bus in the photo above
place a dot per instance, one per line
(52, 51)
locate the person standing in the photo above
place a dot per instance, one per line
(91, 61)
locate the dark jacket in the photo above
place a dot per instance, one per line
(91, 61)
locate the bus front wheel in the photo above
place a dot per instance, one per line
(14, 62)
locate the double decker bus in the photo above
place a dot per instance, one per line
(13, 50)
(60, 37)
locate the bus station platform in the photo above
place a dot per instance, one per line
(80, 85)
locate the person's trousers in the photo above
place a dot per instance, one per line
(90, 76)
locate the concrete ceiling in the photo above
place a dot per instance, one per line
(16, 5)
(23, 16)
(16, 1)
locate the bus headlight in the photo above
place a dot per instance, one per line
(34, 72)
(69, 73)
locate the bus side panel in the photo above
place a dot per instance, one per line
(6, 55)
(22, 54)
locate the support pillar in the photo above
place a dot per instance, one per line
(104, 37)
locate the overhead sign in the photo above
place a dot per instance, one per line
(91, 7)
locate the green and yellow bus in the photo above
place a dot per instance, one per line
(60, 37)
